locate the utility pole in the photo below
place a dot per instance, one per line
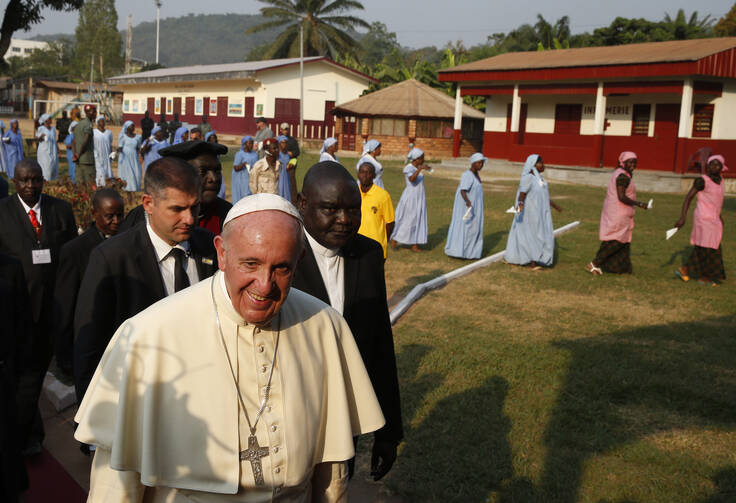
(128, 43)
(158, 24)
(301, 83)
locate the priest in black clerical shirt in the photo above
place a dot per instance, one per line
(107, 210)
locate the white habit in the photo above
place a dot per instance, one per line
(162, 406)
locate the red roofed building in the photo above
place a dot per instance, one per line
(582, 107)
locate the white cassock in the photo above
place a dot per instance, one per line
(163, 411)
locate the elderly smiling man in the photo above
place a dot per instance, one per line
(235, 389)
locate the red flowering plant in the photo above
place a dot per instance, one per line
(79, 195)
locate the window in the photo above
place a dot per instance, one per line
(27, 50)
(640, 120)
(389, 127)
(434, 129)
(703, 121)
(472, 128)
(16, 49)
(567, 119)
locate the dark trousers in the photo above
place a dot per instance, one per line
(85, 173)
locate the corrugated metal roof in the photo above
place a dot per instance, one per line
(410, 99)
(225, 70)
(632, 54)
(74, 86)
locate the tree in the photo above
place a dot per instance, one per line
(98, 39)
(376, 44)
(683, 29)
(324, 25)
(22, 14)
(726, 26)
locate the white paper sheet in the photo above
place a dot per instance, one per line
(671, 232)
(468, 213)
(650, 204)
(512, 210)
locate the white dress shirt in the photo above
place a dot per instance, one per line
(166, 261)
(332, 269)
(36, 208)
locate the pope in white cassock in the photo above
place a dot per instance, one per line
(235, 389)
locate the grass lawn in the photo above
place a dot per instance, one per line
(556, 386)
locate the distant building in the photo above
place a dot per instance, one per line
(663, 100)
(405, 114)
(22, 48)
(233, 95)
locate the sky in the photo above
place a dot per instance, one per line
(419, 23)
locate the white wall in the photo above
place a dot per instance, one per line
(496, 107)
(322, 82)
(724, 125)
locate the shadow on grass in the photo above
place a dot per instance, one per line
(683, 254)
(619, 388)
(437, 238)
(491, 240)
(411, 282)
(623, 386)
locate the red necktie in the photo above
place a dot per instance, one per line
(35, 223)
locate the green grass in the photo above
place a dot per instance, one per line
(556, 386)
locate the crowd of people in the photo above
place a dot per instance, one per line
(199, 372)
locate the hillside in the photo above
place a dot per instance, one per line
(194, 39)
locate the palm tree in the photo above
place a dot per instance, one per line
(324, 25)
(683, 28)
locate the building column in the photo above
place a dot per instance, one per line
(683, 133)
(515, 114)
(458, 124)
(599, 126)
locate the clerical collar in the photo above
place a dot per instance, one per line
(318, 248)
(161, 247)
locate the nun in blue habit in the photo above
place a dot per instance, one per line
(3, 157)
(531, 238)
(284, 158)
(328, 151)
(13, 141)
(181, 135)
(371, 150)
(465, 236)
(411, 212)
(243, 162)
(102, 142)
(70, 153)
(152, 145)
(47, 154)
(129, 169)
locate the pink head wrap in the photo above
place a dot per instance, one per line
(625, 156)
(718, 157)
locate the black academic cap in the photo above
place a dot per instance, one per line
(190, 149)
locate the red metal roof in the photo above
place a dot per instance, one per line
(711, 57)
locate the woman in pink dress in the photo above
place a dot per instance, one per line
(706, 259)
(617, 220)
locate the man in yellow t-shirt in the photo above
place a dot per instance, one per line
(377, 211)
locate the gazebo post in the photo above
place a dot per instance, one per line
(458, 124)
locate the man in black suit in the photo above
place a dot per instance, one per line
(107, 210)
(345, 270)
(204, 156)
(130, 271)
(3, 188)
(15, 317)
(33, 228)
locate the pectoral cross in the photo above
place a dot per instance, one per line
(254, 453)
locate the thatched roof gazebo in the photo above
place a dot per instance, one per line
(404, 114)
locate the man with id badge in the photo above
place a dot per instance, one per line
(33, 228)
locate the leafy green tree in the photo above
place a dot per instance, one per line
(22, 14)
(682, 28)
(324, 23)
(51, 63)
(98, 39)
(726, 26)
(377, 44)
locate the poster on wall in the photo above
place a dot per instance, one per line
(157, 106)
(259, 109)
(198, 106)
(169, 105)
(235, 109)
(136, 105)
(126, 106)
(213, 106)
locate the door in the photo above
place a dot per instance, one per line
(666, 125)
(163, 108)
(151, 107)
(249, 119)
(189, 109)
(177, 107)
(222, 111)
(329, 120)
(349, 127)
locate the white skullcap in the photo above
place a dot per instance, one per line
(284, 125)
(261, 202)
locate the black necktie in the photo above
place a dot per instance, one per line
(181, 280)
